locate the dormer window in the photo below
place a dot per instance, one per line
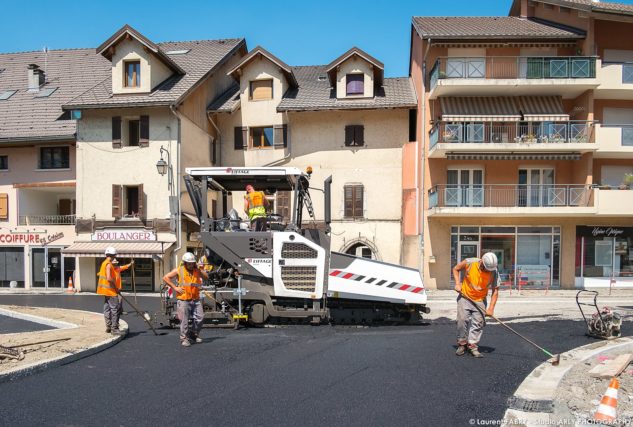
(133, 74)
(261, 90)
(355, 84)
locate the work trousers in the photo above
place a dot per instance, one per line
(112, 311)
(258, 224)
(470, 321)
(187, 310)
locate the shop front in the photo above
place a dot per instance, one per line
(604, 256)
(32, 258)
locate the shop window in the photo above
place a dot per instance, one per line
(261, 90)
(128, 201)
(54, 158)
(608, 252)
(143, 278)
(11, 267)
(354, 201)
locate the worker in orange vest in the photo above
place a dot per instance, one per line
(107, 286)
(474, 277)
(255, 204)
(190, 276)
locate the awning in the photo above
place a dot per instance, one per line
(543, 109)
(513, 156)
(124, 249)
(480, 109)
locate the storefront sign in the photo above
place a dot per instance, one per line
(121, 235)
(604, 231)
(51, 238)
(20, 238)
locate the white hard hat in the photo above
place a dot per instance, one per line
(110, 250)
(188, 257)
(490, 261)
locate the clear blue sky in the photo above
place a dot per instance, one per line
(300, 32)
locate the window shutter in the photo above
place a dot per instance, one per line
(116, 132)
(117, 206)
(240, 138)
(358, 201)
(261, 90)
(281, 136)
(359, 135)
(144, 132)
(65, 207)
(349, 201)
(4, 206)
(141, 206)
(349, 135)
(285, 136)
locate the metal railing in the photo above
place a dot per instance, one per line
(513, 67)
(513, 132)
(47, 219)
(509, 195)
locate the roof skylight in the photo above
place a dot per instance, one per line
(45, 93)
(4, 95)
(177, 52)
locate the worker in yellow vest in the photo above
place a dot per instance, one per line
(107, 286)
(474, 277)
(255, 204)
(189, 276)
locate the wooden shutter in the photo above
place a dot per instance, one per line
(4, 206)
(358, 201)
(141, 205)
(117, 201)
(261, 90)
(280, 138)
(353, 202)
(144, 132)
(116, 132)
(349, 201)
(240, 137)
(349, 135)
(359, 135)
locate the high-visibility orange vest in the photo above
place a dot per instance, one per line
(117, 278)
(103, 286)
(476, 283)
(190, 283)
(256, 207)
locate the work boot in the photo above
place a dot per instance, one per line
(461, 349)
(475, 352)
(108, 329)
(197, 340)
(185, 343)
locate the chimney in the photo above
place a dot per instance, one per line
(36, 77)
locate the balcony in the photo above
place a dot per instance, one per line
(543, 137)
(510, 199)
(47, 219)
(614, 141)
(491, 75)
(616, 81)
(614, 202)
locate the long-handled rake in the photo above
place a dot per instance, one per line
(144, 314)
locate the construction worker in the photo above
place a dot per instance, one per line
(107, 286)
(119, 269)
(190, 276)
(255, 204)
(474, 277)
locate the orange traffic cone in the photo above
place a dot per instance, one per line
(71, 289)
(607, 409)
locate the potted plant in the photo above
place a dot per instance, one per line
(628, 180)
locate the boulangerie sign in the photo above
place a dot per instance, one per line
(124, 235)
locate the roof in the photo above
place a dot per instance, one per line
(586, 5)
(125, 31)
(261, 52)
(202, 58)
(315, 93)
(486, 28)
(379, 67)
(25, 117)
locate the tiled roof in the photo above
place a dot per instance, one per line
(315, 93)
(26, 117)
(498, 27)
(203, 56)
(260, 51)
(595, 6)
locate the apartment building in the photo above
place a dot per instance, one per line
(138, 127)
(526, 143)
(37, 163)
(343, 119)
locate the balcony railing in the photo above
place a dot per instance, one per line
(513, 67)
(508, 195)
(513, 132)
(47, 219)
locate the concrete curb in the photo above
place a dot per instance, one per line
(533, 402)
(42, 365)
(57, 324)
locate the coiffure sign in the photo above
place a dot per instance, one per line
(18, 238)
(130, 235)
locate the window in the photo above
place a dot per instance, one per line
(262, 137)
(261, 90)
(54, 158)
(361, 251)
(133, 133)
(354, 136)
(4, 206)
(354, 201)
(136, 132)
(128, 201)
(7, 94)
(132, 74)
(4, 163)
(355, 84)
(66, 207)
(45, 93)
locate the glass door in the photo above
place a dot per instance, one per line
(468, 250)
(535, 187)
(47, 267)
(464, 187)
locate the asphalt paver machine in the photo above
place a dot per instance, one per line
(288, 273)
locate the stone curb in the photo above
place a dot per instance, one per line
(42, 365)
(57, 324)
(533, 401)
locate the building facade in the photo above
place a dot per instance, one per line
(525, 143)
(344, 120)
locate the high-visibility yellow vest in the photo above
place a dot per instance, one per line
(104, 287)
(190, 283)
(256, 207)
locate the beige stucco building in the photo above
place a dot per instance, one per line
(343, 119)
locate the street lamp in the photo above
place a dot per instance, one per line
(164, 167)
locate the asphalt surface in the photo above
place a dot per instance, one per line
(10, 325)
(287, 376)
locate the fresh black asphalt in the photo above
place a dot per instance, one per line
(286, 376)
(11, 325)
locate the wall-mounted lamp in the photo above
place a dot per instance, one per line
(164, 167)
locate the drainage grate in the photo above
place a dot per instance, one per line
(529, 405)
